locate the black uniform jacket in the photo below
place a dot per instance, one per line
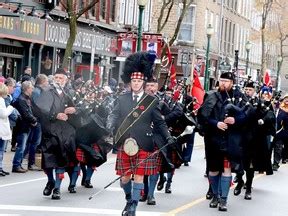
(141, 131)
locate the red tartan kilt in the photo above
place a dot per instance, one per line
(80, 155)
(124, 162)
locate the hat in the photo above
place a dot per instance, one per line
(152, 80)
(249, 84)
(227, 75)
(61, 71)
(266, 90)
(138, 65)
(2, 79)
(26, 77)
(108, 89)
(77, 76)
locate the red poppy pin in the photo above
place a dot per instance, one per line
(141, 107)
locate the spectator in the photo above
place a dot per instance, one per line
(27, 121)
(5, 132)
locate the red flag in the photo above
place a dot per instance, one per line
(267, 78)
(197, 90)
(173, 80)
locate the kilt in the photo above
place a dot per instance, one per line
(80, 155)
(149, 167)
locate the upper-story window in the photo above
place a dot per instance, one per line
(187, 28)
(103, 9)
(113, 10)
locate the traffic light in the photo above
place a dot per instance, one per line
(51, 4)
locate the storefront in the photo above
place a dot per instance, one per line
(93, 53)
(20, 39)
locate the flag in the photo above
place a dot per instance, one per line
(197, 90)
(267, 78)
(173, 80)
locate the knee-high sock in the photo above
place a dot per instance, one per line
(136, 193)
(214, 182)
(59, 176)
(74, 175)
(225, 182)
(127, 188)
(249, 177)
(152, 184)
(89, 173)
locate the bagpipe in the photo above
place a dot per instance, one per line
(89, 125)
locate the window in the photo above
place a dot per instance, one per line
(112, 10)
(103, 9)
(186, 32)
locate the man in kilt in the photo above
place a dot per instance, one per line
(133, 116)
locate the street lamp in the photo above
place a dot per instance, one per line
(209, 32)
(279, 61)
(141, 4)
(248, 48)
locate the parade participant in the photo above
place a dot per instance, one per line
(58, 135)
(133, 115)
(282, 132)
(5, 132)
(259, 127)
(222, 137)
(24, 105)
(174, 153)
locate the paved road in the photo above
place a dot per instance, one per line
(21, 194)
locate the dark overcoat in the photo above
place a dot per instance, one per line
(58, 145)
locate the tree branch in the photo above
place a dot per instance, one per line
(63, 5)
(167, 15)
(83, 10)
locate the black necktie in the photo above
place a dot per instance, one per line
(135, 97)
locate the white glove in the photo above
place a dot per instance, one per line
(260, 122)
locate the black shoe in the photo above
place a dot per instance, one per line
(151, 201)
(168, 188)
(222, 205)
(283, 161)
(6, 173)
(275, 167)
(87, 184)
(214, 202)
(48, 189)
(186, 164)
(238, 187)
(2, 174)
(126, 208)
(143, 198)
(132, 208)
(248, 195)
(209, 194)
(72, 189)
(56, 194)
(161, 183)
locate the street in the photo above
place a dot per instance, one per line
(21, 194)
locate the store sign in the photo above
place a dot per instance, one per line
(57, 35)
(24, 28)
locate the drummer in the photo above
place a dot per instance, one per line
(133, 115)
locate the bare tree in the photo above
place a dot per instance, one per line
(73, 15)
(264, 7)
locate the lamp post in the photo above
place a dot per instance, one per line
(279, 61)
(141, 4)
(247, 47)
(209, 33)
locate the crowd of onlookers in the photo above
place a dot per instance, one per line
(18, 125)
